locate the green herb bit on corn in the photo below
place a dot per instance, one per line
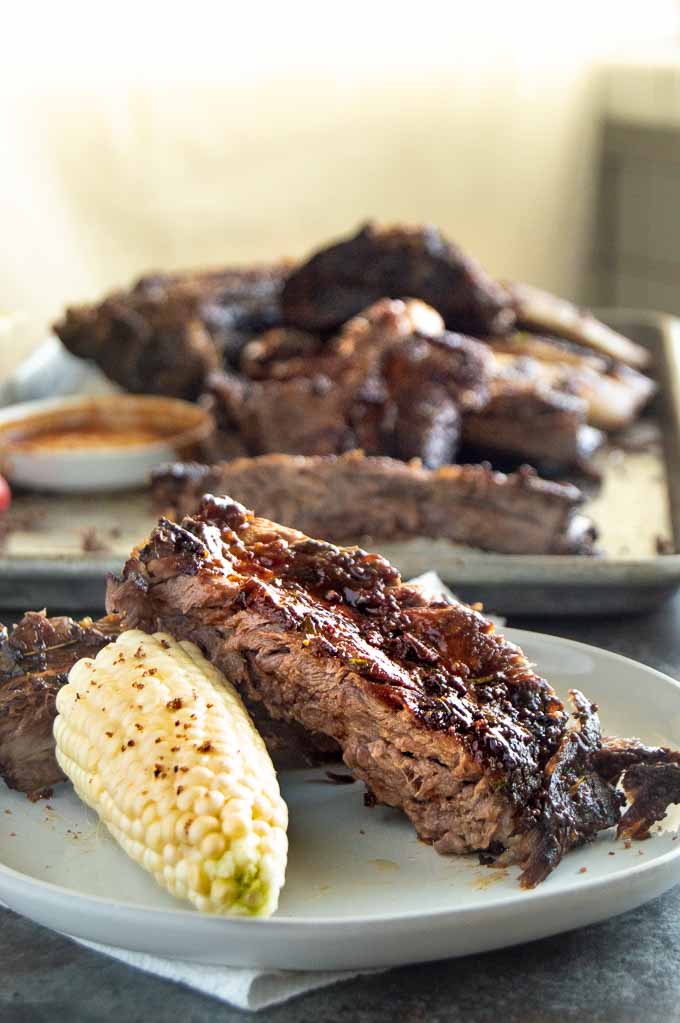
(158, 742)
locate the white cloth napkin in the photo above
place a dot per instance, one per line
(245, 989)
(436, 587)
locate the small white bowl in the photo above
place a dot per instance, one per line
(97, 443)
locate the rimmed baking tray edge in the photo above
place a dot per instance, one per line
(508, 584)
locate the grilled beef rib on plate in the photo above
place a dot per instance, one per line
(433, 710)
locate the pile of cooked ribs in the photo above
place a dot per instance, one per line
(392, 342)
(433, 710)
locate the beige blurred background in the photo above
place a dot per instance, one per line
(137, 138)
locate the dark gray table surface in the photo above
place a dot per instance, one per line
(622, 971)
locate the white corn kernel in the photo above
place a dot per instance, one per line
(198, 807)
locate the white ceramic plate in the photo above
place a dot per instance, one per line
(361, 890)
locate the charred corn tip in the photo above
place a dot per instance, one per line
(158, 742)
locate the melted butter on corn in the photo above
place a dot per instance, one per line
(159, 744)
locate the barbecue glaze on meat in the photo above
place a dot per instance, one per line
(436, 713)
(35, 659)
(348, 497)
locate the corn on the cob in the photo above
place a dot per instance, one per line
(158, 742)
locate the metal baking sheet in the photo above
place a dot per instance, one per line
(59, 549)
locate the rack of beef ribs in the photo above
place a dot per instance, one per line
(351, 497)
(35, 659)
(392, 382)
(433, 710)
(416, 262)
(315, 359)
(166, 333)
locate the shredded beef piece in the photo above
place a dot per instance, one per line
(650, 777)
(651, 788)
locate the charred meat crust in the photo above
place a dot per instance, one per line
(340, 280)
(577, 802)
(351, 496)
(35, 658)
(650, 777)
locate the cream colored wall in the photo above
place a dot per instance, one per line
(203, 142)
